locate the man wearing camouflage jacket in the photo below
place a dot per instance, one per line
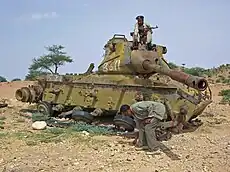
(147, 115)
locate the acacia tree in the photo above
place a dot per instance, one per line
(51, 61)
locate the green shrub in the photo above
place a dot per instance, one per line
(16, 79)
(196, 71)
(226, 96)
(172, 65)
(218, 81)
(224, 92)
(2, 79)
(92, 129)
(226, 81)
(221, 76)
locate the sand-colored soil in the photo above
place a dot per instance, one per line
(206, 149)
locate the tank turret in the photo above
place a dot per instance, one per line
(119, 58)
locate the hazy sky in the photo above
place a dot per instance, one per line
(196, 32)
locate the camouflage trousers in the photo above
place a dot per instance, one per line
(148, 39)
(147, 134)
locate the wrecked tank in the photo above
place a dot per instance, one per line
(124, 76)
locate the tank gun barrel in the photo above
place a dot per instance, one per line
(192, 81)
(148, 62)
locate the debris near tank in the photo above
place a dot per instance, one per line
(39, 117)
(126, 127)
(3, 103)
(75, 126)
(94, 129)
(2, 122)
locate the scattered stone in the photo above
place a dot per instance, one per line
(76, 163)
(85, 133)
(128, 159)
(10, 106)
(39, 125)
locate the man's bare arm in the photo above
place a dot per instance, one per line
(135, 30)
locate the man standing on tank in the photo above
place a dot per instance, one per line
(139, 32)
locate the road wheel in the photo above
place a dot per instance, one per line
(45, 108)
(79, 115)
(124, 122)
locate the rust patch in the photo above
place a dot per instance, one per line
(179, 76)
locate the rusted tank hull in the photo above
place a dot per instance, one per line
(105, 99)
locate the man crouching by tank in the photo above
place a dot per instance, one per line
(147, 115)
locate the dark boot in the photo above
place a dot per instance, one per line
(149, 47)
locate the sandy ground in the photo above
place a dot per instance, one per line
(206, 149)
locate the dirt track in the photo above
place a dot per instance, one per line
(206, 149)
